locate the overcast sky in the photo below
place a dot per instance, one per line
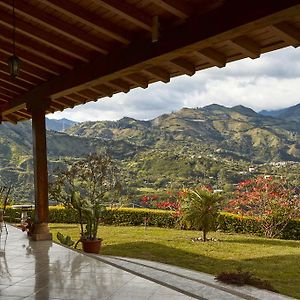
(270, 82)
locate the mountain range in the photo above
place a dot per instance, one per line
(164, 144)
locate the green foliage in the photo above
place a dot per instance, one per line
(85, 186)
(199, 208)
(136, 217)
(65, 240)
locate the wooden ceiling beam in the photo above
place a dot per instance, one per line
(10, 118)
(105, 90)
(247, 47)
(46, 20)
(27, 68)
(64, 101)
(23, 114)
(288, 33)
(38, 50)
(119, 85)
(175, 7)
(31, 59)
(4, 96)
(213, 56)
(159, 73)
(15, 82)
(89, 93)
(88, 18)
(184, 65)
(128, 12)
(142, 81)
(7, 91)
(22, 76)
(57, 106)
(75, 98)
(142, 53)
(49, 40)
(9, 85)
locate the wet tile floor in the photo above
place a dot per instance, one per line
(45, 270)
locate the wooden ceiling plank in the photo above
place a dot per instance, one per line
(4, 96)
(39, 51)
(159, 73)
(88, 18)
(32, 59)
(64, 101)
(288, 33)
(57, 25)
(75, 98)
(128, 12)
(175, 7)
(119, 85)
(23, 114)
(11, 118)
(89, 93)
(27, 79)
(57, 106)
(11, 86)
(184, 65)
(142, 53)
(6, 91)
(50, 40)
(247, 46)
(142, 81)
(212, 56)
(105, 90)
(15, 81)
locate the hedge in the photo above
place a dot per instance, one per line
(161, 218)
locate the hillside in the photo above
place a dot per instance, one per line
(236, 132)
(214, 144)
(291, 113)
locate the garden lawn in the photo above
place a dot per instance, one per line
(277, 261)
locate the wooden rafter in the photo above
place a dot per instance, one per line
(58, 26)
(184, 65)
(78, 13)
(52, 41)
(247, 47)
(177, 44)
(288, 32)
(212, 56)
(175, 7)
(139, 79)
(128, 12)
(159, 73)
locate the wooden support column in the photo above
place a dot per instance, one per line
(41, 229)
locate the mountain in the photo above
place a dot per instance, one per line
(178, 149)
(59, 125)
(237, 132)
(291, 113)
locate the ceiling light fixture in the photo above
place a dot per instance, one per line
(14, 62)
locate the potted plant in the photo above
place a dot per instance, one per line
(87, 186)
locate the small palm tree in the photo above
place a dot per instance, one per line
(199, 208)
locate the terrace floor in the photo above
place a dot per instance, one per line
(46, 270)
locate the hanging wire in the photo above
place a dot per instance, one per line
(14, 28)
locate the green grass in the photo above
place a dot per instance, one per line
(277, 261)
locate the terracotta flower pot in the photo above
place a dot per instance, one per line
(91, 246)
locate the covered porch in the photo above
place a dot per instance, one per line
(45, 270)
(73, 52)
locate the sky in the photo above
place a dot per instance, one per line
(269, 82)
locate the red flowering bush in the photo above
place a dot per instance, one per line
(273, 203)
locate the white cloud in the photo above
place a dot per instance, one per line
(269, 82)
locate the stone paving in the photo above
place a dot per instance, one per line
(45, 270)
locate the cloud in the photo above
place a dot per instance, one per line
(269, 82)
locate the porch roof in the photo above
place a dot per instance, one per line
(75, 51)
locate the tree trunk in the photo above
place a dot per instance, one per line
(204, 234)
